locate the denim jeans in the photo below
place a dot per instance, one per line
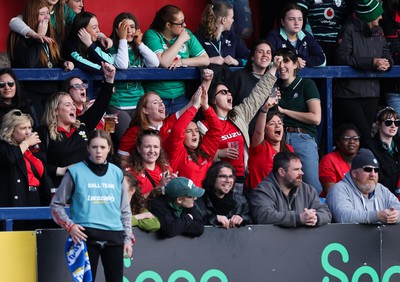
(393, 100)
(174, 105)
(304, 146)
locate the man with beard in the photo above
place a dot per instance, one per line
(282, 198)
(359, 198)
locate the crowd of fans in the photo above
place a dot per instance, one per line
(244, 144)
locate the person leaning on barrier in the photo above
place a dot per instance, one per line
(175, 209)
(359, 198)
(283, 199)
(221, 206)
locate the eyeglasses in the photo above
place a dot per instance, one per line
(351, 138)
(180, 24)
(79, 86)
(9, 83)
(223, 92)
(389, 122)
(226, 177)
(369, 169)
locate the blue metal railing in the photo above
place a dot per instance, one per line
(326, 74)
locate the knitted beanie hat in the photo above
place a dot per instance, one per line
(368, 10)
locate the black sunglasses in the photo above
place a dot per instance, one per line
(369, 169)
(389, 122)
(78, 86)
(150, 132)
(9, 83)
(223, 92)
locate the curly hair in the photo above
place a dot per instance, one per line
(165, 15)
(137, 157)
(208, 25)
(49, 118)
(138, 202)
(11, 120)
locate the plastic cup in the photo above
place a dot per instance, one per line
(274, 93)
(109, 123)
(234, 145)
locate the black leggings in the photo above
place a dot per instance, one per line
(112, 259)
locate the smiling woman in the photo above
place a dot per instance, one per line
(150, 165)
(64, 135)
(220, 206)
(82, 46)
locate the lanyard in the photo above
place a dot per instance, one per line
(46, 50)
(215, 47)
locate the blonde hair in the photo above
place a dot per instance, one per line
(49, 118)
(11, 120)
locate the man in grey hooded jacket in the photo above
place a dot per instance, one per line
(359, 198)
(283, 199)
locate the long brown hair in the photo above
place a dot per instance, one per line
(139, 118)
(30, 16)
(137, 157)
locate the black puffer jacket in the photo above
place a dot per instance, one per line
(209, 213)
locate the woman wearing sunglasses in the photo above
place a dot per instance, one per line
(175, 46)
(65, 135)
(76, 88)
(235, 139)
(11, 95)
(385, 145)
(24, 180)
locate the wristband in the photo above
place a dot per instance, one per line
(263, 110)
